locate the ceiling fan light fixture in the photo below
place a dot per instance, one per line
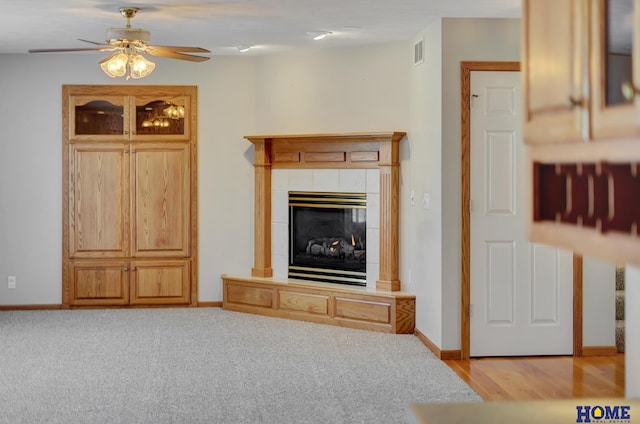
(131, 64)
(127, 44)
(115, 65)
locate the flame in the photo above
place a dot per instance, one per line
(353, 240)
(335, 242)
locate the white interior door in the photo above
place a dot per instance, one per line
(521, 293)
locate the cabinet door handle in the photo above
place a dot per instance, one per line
(629, 91)
(125, 269)
(572, 103)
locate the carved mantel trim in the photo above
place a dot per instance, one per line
(347, 150)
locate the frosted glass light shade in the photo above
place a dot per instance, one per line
(140, 67)
(115, 65)
(118, 64)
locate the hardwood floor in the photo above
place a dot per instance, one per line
(548, 377)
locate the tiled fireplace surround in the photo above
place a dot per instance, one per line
(325, 180)
(327, 162)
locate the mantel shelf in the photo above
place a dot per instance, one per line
(343, 150)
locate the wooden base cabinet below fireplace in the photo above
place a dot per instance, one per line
(389, 312)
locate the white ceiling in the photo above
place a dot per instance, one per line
(220, 26)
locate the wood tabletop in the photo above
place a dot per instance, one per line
(565, 411)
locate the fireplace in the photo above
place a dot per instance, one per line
(365, 163)
(327, 237)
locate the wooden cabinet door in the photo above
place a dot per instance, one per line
(103, 282)
(98, 200)
(161, 200)
(614, 70)
(97, 117)
(555, 48)
(160, 282)
(161, 116)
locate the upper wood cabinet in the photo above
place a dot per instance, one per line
(129, 196)
(554, 54)
(581, 74)
(156, 115)
(579, 63)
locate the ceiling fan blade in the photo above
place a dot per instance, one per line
(179, 49)
(93, 42)
(88, 49)
(176, 55)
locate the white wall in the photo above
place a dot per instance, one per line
(421, 167)
(337, 90)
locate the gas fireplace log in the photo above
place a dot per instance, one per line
(335, 247)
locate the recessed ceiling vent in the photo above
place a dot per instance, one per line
(418, 52)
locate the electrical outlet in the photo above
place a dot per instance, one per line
(11, 281)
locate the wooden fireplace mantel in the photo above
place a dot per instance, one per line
(347, 150)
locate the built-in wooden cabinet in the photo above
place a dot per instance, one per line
(581, 79)
(129, 182)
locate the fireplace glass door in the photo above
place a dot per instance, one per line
(327, 237)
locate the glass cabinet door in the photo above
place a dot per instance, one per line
(100, 118)
(613, 84)
(162, 117)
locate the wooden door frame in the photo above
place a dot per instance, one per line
(465, 104)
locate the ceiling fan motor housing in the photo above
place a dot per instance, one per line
(115, 36)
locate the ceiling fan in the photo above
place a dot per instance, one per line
(127, 45)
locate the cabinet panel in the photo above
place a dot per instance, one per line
(100, 117)
(612, 114)
(160, 117)
(554, 56)
(160, 282)
(99, 283)
(161, 200)
(98, 200)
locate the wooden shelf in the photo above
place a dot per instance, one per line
(384, 311)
